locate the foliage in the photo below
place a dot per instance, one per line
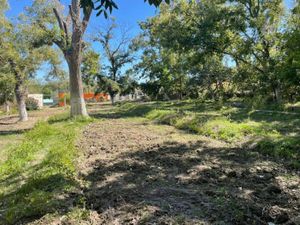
(118, 53)
(22, 55)
(90, 67)
(6, 77)
(151, 89)
(104, 5)
(6, 88)
(282, 148)
(127, 84)
(107, 85)
(218, 49)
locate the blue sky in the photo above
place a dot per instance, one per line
(130, 12)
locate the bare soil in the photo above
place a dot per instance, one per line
(135, 172)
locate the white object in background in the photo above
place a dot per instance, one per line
(39, 98)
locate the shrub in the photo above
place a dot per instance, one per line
(32, 104)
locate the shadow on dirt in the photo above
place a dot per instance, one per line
(186, 184)
(176, 183)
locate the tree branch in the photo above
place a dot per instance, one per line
(59, 19)
(86, 18)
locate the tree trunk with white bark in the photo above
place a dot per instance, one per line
(20, 92)
(7, 107)
(78, 106)
(71, 44)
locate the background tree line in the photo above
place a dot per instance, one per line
(209, 49)
(220, 49)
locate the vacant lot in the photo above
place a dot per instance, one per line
(155, 163)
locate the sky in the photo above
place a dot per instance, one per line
(130, 12)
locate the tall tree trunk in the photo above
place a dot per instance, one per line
(20, 92)
(71, 44)
(276, 93)
(78, 106)
(7, 108)
(112, 98)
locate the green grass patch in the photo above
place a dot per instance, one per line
(217, 127)
(40, 170)
(279, 130)
(287, 148)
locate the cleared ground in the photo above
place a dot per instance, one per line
(140, 173)
(128, 168)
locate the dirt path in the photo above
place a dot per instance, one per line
(140, 173)
(11, 129)
(11, 125)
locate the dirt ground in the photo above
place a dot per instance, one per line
(11, 125)
(139, 173)
(11, 129)
(135, 172)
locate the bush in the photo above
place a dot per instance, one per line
(32, 104)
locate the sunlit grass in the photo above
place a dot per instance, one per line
(276, 133)
(39, 170)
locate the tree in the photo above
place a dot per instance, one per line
(21, 57)
(117, 55)
(71, 44)
(6, 78)
(128, 84)
(247, 32)
(90, 67)
(290, 63)
(69, 37)
(6, 90)
(66, 32)
(101, 6)
(164, 65)
(107, 85)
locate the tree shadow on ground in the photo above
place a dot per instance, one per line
(11, 132)
(187, 184)
(133, 111)
(190, 184)
(174, 183)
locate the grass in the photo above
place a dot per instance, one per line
(219, 127)
(39, 170)
(7, 142)
(275, 133)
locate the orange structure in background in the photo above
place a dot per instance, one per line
(98, 97)
(88, 97)
(61, 99)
